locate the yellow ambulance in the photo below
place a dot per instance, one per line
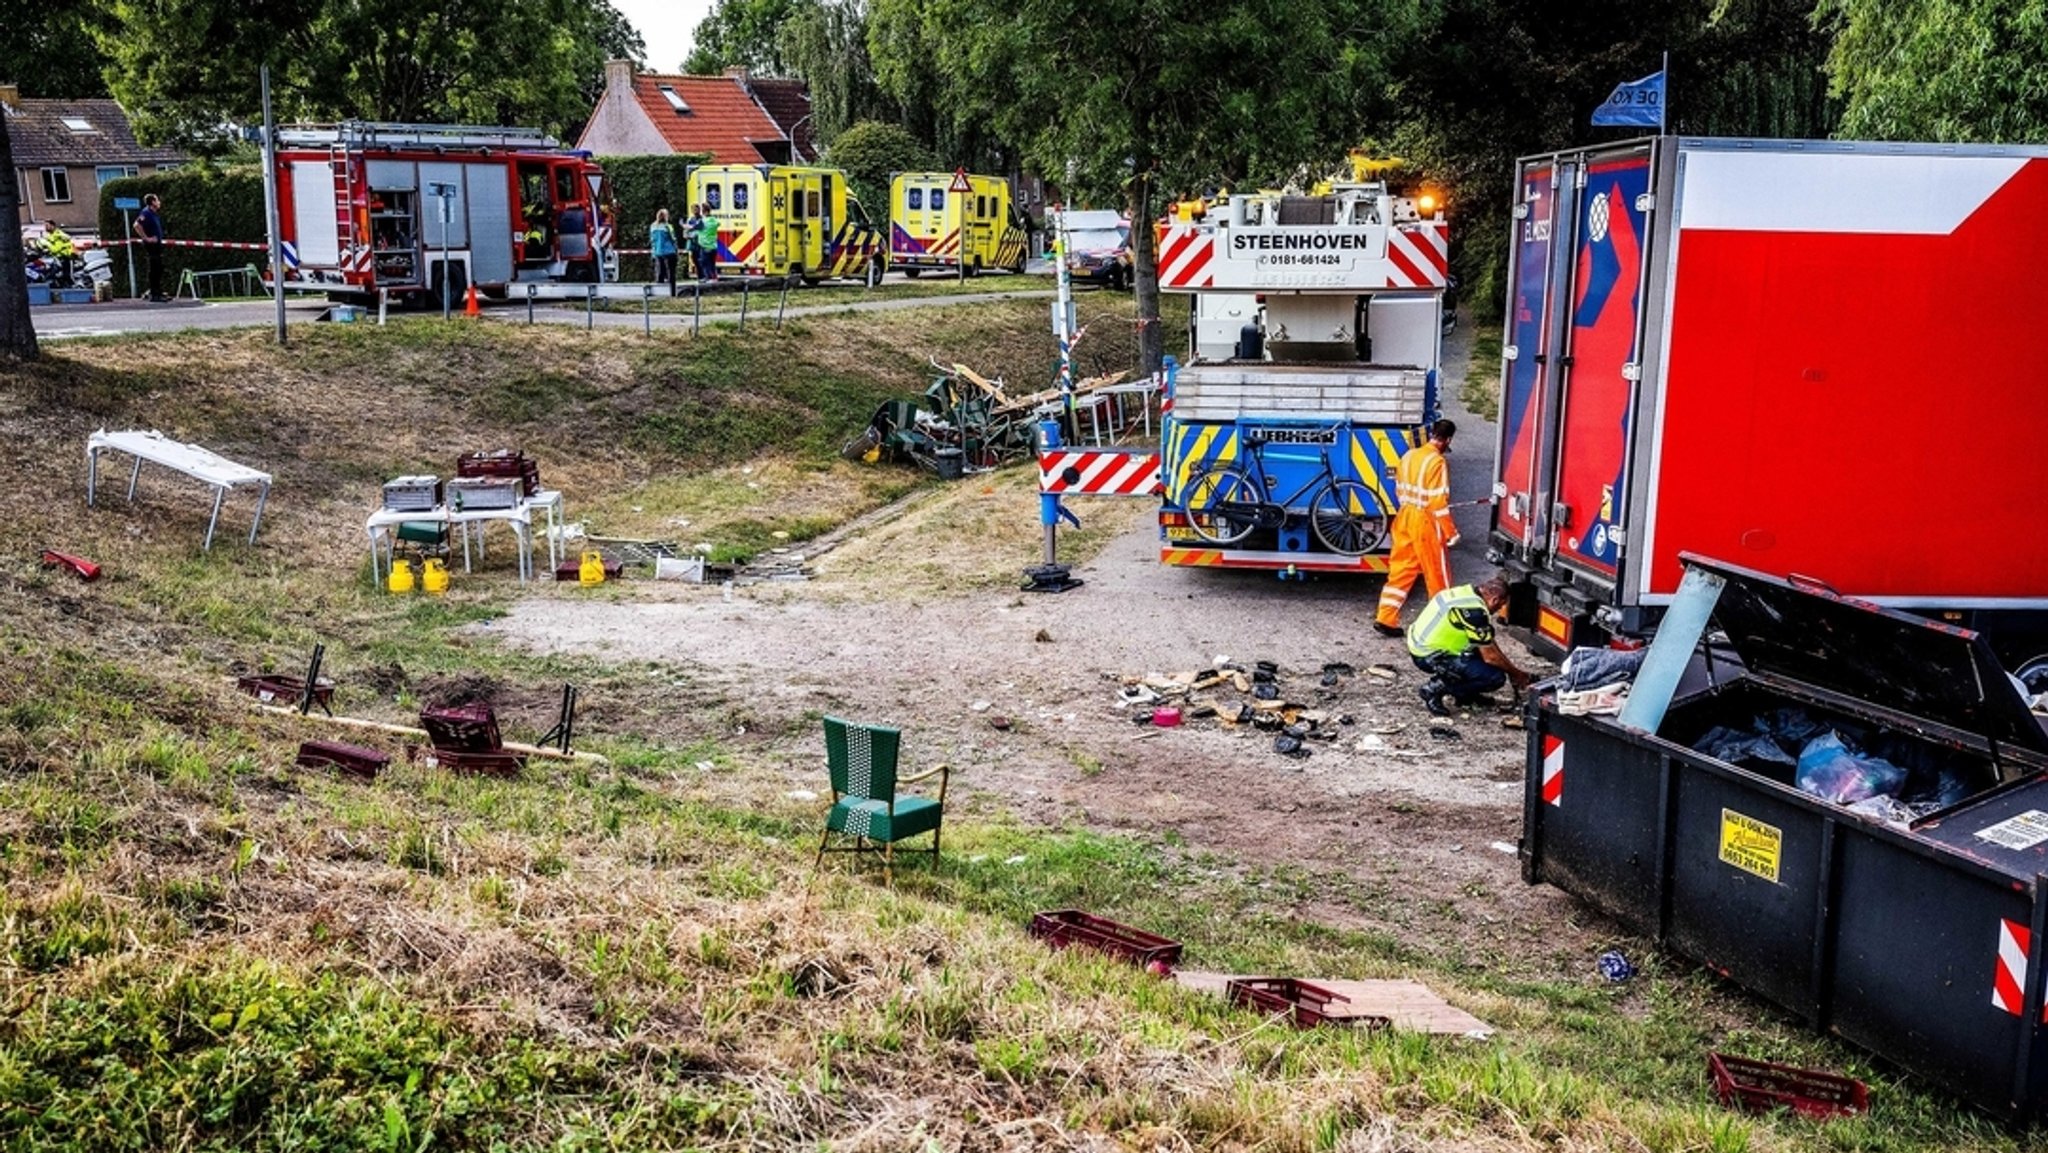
(932, 226)
(788, 220)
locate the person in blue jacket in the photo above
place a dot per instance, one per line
(661, 244)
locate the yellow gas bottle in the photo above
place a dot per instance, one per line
(400, 580)
(592, 570)
(434, 576)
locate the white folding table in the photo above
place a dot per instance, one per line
(385, 522)
(195, 461)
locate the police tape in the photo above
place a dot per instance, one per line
(238, 245)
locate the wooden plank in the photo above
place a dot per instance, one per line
(1408, 1004)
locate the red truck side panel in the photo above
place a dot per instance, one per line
(1856, 383)
(1611, 239)
(1524, 512)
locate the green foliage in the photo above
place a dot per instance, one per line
(50, 53)
(183, 67)
(641, 185)
(1950, 70)
(1488, 82)
(743, 34)
(826, 44)
(1138, 100)
(199, 203)
(869, 153)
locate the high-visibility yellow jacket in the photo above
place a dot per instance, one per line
(1453, 621)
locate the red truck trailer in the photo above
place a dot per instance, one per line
(1819, 359)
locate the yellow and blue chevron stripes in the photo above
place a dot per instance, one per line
(1362, 453)
(1192, 448)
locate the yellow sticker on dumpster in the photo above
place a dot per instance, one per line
(1750, 845)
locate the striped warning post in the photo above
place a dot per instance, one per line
(1553, 770)
(2009, 979)
(1099, 472)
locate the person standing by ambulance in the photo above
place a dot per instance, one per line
(1423, 529)
(707, 245)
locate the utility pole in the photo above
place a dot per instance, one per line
(270, 220)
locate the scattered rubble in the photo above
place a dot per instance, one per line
(1293, 709)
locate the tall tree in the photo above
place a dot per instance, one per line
(1132, 101)
(1960, 70)
(826, 45)
(185, 67)
(17, 331)
(50, 53)
(743, 34)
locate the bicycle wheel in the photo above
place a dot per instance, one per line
(1346, 517)
(1222, 505)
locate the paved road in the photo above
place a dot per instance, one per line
(69, 321)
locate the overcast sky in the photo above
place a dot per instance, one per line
(666, 25)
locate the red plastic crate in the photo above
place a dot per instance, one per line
(504, 462)
(1305, 1004)
(1761, 1086)
(572, 569)
(353, 760)
(471, 728)
(1063, 927)
(498, 764)
(282, 688)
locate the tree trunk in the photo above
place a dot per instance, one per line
(1145, 271)
(17, 331)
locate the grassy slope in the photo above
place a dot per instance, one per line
(202, 948)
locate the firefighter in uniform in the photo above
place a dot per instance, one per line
(1453, 642)
(1423, 529)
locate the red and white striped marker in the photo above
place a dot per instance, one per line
(1553, 770)
(1099, 472)
(2009, 981)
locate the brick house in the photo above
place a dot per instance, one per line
(65, 149)
(737, 118)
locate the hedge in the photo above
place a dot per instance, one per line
(642, 184)
(199, 203)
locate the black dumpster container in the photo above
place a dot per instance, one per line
(1924, 941)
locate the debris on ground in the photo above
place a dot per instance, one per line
(1615, 967)
(1294, 707)
(1407, 1005)
(86, 570)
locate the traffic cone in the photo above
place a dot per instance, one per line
(472, 308)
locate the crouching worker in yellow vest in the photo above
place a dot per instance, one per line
(1453, 642)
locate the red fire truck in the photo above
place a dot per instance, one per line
(404, 208)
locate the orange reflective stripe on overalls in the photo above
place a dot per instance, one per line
(1421, 526)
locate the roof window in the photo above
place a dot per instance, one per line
(674, 101)
(78, 124)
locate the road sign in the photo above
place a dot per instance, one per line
(960, 181)
(127, 203)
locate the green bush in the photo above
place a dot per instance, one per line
(199, 203)
(870, 153)
(642, 184)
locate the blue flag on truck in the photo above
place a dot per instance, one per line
(1637, 102)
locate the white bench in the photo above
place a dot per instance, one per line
(199, 463)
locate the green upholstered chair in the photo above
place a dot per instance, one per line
(865, 804)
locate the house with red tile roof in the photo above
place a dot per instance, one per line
(737, 118)
(65, 149)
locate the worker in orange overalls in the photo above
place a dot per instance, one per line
(1423, 529)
